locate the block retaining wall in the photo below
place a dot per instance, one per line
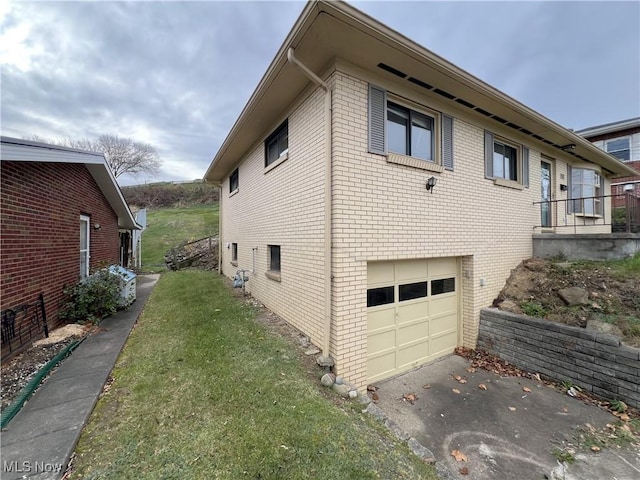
(596, 362)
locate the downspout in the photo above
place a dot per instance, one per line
(219, 185)
(327, 196)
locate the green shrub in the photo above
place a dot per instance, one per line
(92, 299)
(533, 309)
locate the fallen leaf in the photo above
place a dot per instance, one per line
(455, 390)
(482, 386)
(565, 409)
(471, 370)
(464, 471)
(457, 377)
(462, 380)
(458, 455)
(409, 397)
(595, 448)
(371, 388)
(427, 386)
(375, 397)
(526, 389)
(513, 409)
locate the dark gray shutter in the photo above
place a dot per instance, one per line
(377, 114)
(447, 142)
(525, 167)
(488, 154)
(570, 205)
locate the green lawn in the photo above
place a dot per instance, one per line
(168, 227)
(202, 391)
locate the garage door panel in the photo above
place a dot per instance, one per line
(413, 355)
(412, 312)
(381, 366)
(381, 341)
(409, 270)
(411, 333)
(380, 273)
(443, 344)
(442, 324)
(443, 267)
(383, 318)
(443, 304)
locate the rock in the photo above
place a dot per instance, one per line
(312, 351)
(324, 361)
(353, 394)
(600, 326)
(510, 306)
(339, 380)
(574, 296)
(328, 379)
(341, 390)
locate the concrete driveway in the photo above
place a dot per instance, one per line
(505, 431)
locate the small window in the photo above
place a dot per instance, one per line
(234, 181)
(277, 144)
(234, 252)
(410, 133)
(445, 285)
(84, 246)
(274, 258)
(410, 291)
(505, 161)
(619, 148)
(380, 296)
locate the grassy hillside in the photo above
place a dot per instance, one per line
(166, 194)
(168, 227)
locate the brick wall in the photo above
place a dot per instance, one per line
(596, 362)
(41, 204)
(381, 211)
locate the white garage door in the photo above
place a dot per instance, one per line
(412, 314)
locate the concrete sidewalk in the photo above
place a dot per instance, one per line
(508, 431)
(39, 441)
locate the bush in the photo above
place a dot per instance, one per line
(93, 298)
(533, 309)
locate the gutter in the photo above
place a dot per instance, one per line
(328, 192)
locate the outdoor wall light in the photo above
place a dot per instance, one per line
(431, 183)
(563, 187)
(97, 226)
(567, 148)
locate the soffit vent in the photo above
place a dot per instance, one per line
(471, 106)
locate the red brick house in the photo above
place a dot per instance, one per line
(622, 140)
(62, 215)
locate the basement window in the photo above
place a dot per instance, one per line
(274, 263)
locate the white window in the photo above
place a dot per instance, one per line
(84, 246)
(619, 148)
(585, 191)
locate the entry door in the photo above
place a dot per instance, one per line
(545, 184)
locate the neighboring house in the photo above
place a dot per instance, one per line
(379, 196)
(622, 140)
(62, 215)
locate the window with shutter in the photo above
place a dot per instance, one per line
(397, 130)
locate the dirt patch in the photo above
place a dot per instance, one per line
(613, 295)
(18, 371)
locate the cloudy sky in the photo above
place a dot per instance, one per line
(177, 74)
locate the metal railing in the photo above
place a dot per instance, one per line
(22, 323)
(622, 213)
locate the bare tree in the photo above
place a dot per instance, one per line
(123, 154)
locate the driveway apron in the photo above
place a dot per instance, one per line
(507, 431)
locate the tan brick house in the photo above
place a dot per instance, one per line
(379, 196)
(62, 215)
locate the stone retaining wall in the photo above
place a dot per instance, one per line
(596, 362)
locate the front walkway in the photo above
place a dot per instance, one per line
(39, 441)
